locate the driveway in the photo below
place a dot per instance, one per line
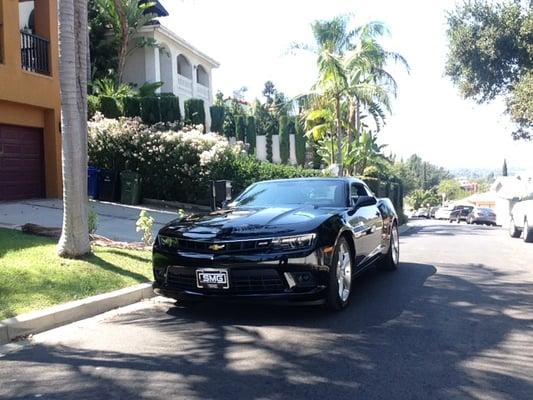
(454, 322)
(115, 221)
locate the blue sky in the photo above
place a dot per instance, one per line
(251, 38)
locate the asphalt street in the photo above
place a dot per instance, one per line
(454, 322)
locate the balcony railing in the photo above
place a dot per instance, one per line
(184, 83)
(34, 53)
(203, 91)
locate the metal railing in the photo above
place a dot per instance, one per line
(34, 53)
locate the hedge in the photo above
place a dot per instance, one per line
(194, 112)
(217, 118)
(251, 134)
(150, 110)
(178, 166)
(110, 107)
(132, 107)
(244, 170)
(170, 108)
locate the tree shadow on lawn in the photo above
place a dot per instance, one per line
(122, 253)
(100, 262)
(411, 334)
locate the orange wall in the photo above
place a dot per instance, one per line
(32, 99)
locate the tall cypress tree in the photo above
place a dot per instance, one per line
(284, 144)
(250, 134)
(240, 128)
(300, 143)
(504, 169)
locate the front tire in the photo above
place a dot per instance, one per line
(392, 258)
(514, 232)
(528, 232)
(340, 277)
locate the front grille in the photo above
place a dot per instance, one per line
(241, 281)
(238, 246)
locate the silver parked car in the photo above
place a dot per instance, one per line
(482, 215)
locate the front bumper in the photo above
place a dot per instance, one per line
(266, 277)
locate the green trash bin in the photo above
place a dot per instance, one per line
(130, 187)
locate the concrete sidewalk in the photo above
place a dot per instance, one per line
(115, 221)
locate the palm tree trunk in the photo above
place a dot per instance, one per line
(357, 118)
(339, 135)
(124, 38)
(74, 240)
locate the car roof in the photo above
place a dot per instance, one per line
(317, 178)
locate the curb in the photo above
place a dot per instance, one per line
(43, 320)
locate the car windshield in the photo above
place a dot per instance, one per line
(320, 193)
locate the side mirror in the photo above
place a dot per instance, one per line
(364, 201)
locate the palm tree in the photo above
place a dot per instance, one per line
(74, 240)
(351, 78)
(126, 18)
(332, 40)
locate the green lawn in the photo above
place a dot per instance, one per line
(33, 277)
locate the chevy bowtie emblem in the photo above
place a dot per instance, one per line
(217, 247)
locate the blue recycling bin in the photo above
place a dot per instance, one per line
(92, 182)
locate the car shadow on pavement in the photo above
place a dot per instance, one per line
(453, 229)
(409, 334)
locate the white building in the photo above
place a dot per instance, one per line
(183, 69)
(509, 190)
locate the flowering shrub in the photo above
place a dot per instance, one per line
(176, 164)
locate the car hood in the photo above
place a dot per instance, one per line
(249, 222)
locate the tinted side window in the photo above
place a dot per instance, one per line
(357, 189)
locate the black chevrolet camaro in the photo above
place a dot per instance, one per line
(296, 240)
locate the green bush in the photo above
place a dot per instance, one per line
(251, 135)
(132, 107)
(110, 107)
(93, 105)
(240, 128)
(284, 144)
(150, 110)
(217, 118)
(176, 166)
(300, 143)
(194, 112)
(170, 108)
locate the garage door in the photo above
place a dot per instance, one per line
(21, 163)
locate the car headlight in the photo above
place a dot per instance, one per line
(167, 241)
(293, 242)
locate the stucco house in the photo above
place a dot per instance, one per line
(30, 104)
(183, 69)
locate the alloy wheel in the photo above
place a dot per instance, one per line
(344, 272)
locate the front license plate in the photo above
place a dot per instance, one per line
(212, 278)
